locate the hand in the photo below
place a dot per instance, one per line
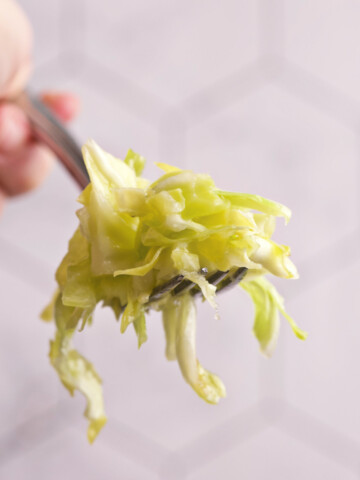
(24, 162)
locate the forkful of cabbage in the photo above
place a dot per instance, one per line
(159, 245)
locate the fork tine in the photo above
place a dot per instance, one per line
(186, 284)
(178, 284)
(216, 277)
(213, 279)
(167, 287)
(234, 276)
(174, 286)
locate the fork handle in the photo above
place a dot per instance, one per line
(51, 132)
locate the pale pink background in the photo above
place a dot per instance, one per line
(265, 96)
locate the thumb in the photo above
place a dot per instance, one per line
(15, 51)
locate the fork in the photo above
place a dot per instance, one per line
(53, 134)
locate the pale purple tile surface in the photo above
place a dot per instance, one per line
(272, 454)
(263, 96)
(67, 455)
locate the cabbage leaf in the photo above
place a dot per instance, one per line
(133, 236)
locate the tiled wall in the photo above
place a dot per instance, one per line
(263, 95)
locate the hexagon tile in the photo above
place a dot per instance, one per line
(323, 38)
(173, 49)
(263, 96)
(67, 455)
(273, 454)
(27, 383)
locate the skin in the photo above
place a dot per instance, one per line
(24, 162)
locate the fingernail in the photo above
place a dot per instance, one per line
(64, 105)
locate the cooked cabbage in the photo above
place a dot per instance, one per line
(133, 236)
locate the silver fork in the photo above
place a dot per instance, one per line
(53, 134)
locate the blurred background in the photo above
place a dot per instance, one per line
(263, 95)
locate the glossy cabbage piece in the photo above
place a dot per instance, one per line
(134, 235)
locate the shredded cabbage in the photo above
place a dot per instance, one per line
(134, 236)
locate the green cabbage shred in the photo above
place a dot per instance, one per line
(134, 235)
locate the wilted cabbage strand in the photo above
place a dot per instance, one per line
(134, 236)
